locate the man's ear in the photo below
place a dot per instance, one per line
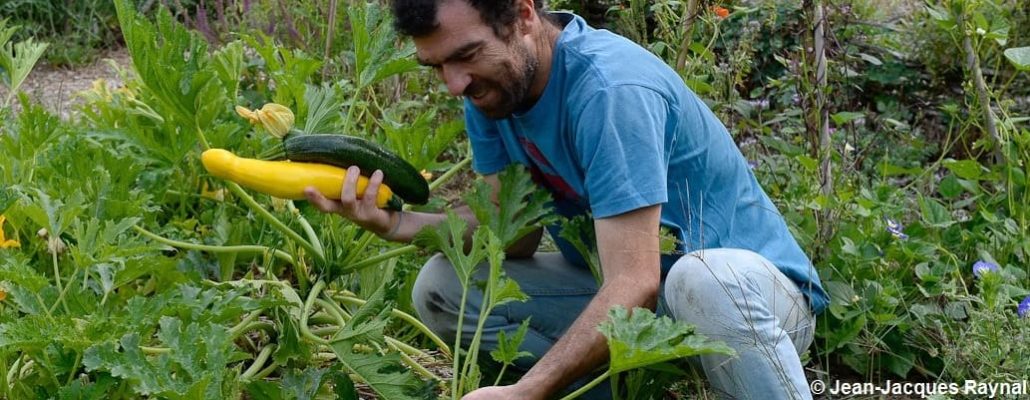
(525, 14)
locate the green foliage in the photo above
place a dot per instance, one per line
(82, 27)
(92, 308)
(380, 372)
(639, 339)
(16, 59)
(194, 365)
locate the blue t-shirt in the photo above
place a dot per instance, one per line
(616, 130)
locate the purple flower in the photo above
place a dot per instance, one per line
(895, 228)
(981, 267)
(752, 164)
(1024, 308)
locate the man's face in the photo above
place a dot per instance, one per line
(494, 73)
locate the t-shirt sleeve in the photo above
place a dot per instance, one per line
(619, 140)
(488, 152)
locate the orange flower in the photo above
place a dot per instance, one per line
(3, 295)
(721, 12)
(4, 242)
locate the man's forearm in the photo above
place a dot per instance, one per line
(406, 224)
(628, 249)
(582, 348)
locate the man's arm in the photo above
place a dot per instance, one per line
(628, 247)
(402, 226)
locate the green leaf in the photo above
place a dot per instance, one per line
(870, 59)
(522, 205)
(194, 367)
(639, 339)
(324, 106)
(174, 65)
(965, 169)
(376, 56)
(579, 231)
(383, 373)
(845, 117)
(507, 351)
(15, 269)
(35, 332)
(7, 198)
(449, 239)
(17, 60)
(935, 214)
(1019, 57)
(303, 385)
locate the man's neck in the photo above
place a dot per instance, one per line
(545, 44)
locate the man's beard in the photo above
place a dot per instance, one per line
(512, 93)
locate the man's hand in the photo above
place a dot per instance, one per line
(360, 209)
(513, 392)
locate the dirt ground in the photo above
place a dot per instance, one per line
(56, 88)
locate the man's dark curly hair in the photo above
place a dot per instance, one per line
(418, 17)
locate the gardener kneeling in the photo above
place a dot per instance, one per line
(610, 130)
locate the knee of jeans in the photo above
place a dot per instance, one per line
(436, 294)
(701, 281)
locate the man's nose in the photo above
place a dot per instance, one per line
(456, 78)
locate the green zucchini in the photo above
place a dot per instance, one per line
(343, 151)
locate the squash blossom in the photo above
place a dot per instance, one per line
(4, 242)
(277, 119)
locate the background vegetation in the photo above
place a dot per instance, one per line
(893, 135)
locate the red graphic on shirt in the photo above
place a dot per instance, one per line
(549, 177)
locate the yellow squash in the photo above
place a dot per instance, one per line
(286, 179)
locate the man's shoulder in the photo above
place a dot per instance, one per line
(596, 61)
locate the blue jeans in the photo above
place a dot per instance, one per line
(732, 295)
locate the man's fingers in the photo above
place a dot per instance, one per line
(372, 190)
(321, 202)
(350, 186)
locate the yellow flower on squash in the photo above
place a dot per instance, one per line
(4, 242)
(277, 119)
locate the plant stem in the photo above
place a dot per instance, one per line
(356, 250)
(57, 278)
(259, 362)
(239, 328)
(266, 372)
(400, 251)
(406, 318)
(688, 35)
(497, 382)
(317, 244)
(275, 222)
(457, 342)
(75, 367)
(449, 174)
(155, 350)
(200, 136)
(282, 255)
(588, 386)
(308, 304)
(983, 97)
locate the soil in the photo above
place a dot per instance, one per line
(55, 88)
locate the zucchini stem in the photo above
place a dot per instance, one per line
(282, 255)
(449, 174)
(275, 222)
(380, 258)
(410, 319)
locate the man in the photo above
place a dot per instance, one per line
(611, 131)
